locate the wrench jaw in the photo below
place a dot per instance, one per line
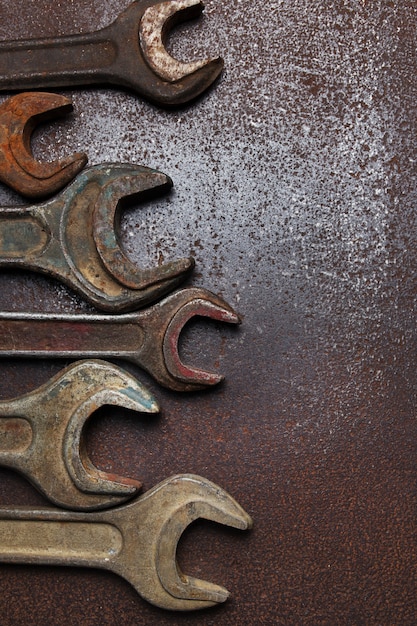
(187, 78)
(110, 386)
(168, 509)
(19, 115)
(85, 476)
(95, 264)
(106, 220)
(161, 79)
(181, 92)
(180, 308)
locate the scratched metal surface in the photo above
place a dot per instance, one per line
(295, 189)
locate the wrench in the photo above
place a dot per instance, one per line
(138, 541)
(130, 52)
(72, 237)
(148, 338)
(41, 434)
(18, 168)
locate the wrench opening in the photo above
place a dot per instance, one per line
(85, 475)
(203, 305)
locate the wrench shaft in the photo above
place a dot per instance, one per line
(66, 61)
(71, 336)
(21, 235)
(57, 542)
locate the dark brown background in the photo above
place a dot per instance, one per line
(295, 189)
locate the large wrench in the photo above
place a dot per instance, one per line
(18, 168)
(148, 338)
(138, 541)
(41, 434)
(73, 237)
(130, 52)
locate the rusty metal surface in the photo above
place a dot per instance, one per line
(19, 115)
(296, 178)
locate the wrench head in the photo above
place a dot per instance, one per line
(162, 79)
(19, 115)
(88, 227)
(167, 320)
(166, 511)
(104, 384)
(56, 461)
(202, 304)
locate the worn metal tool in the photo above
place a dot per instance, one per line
(130, 52)
(73, 237)
(137, 541)
(41, 434)
(18, 168)
(148, 338)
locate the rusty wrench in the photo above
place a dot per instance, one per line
(73, 237)
(137, 541)
(41, 434)
(148, 338)
(18, 168)
(130, 52)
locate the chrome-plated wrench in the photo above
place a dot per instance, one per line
(137, 541)
(148, 338)
(130, 52)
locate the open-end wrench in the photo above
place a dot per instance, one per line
(41, 434)
(137, 541)
(130, 52)
(148, 338)
(18, 168)
(73, 237)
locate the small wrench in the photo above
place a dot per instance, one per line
(137, 541)
(73, 237)
(148, 338)
(18, 168)
(41, 434)
(130, 52)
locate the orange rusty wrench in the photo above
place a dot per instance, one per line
(18, 168)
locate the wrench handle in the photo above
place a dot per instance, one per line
(70, 336)
(57, 538)
(23, 235)
(15, 438)
(56, 62)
